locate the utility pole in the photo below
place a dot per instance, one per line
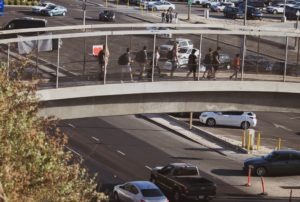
(244, 38)
(190, 2)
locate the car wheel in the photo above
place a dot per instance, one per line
(116, 197)
(275, 12)
(64, 14)
(211, 122)
(176, 196)
(260, 171)
(51, 14)
(245, 125)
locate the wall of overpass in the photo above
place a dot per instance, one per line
(173, 96)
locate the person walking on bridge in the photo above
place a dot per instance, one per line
(236, 66)
(103, 56)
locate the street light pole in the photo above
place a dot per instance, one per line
(283, 17)
(244, 40)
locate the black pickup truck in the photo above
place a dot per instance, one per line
(183, 182)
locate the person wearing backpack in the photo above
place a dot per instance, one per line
(125, 63)
(174, 59)
(142, 59)
(208, 64)
(192, 64)
(103, 56)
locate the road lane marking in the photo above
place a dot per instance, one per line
(296, 117)
(69, 124)
(121, 153)
(148, 167)
(75, 152)
(95, 139)
(281, 126)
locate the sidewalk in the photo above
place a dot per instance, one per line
(278, 187)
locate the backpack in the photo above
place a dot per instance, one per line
(140, 56)
(170, 55)
(101, 57)
(123, 59)
(207, 59)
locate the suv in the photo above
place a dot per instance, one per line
(23, 23)
(182, 43)
(233, 12)
(229, 118)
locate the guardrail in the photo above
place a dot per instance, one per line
(89, 31)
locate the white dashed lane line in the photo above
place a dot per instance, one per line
(121, 153)
(296, 117)
(72, 150)
(148, 167)
(96, 139)
(71, 125)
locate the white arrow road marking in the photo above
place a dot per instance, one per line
(121, 153)
(148, 167)
(281, 126)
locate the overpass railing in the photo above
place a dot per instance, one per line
(72, 59)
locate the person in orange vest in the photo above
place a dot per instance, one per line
(236, 66)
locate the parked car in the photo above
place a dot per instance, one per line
(160, 6)
(138, 191)
(162, 35)
(257, 64)
(253, 13)
(292, 69)
(210, 3)
(221, 6)
(182, 43)
(183, 57)
(107, 15)
(146, 3)
(233, 12)
(54, 10)
(281, 162)
(198, 2)
(253, 3)
(23, 23)
(278, 8)
(229, 118)
(37, 9)
(183, 181)
(290, 12)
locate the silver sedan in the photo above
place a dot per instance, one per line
(137, 191)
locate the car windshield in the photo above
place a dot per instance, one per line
(151, 192)
(186, 171)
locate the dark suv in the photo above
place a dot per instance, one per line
(23, 23)
(233, 12)
(254, 13)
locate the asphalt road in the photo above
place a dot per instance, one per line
(125, 148)
(271, 125)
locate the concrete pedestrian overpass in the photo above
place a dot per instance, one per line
(169, 96)
(162, 96)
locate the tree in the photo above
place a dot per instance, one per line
(34, 165)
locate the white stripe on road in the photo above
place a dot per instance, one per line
(148, 167)
(95, 138)
(283, 127)
(121, 153)
(75, 152)
(296, 117)
(69, 124)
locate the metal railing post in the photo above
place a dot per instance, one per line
(105, 64)
(243, 56)
(58, 57)
(200, 50)
(285, 59)
(153, 57)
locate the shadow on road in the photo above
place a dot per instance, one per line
(228, 172)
